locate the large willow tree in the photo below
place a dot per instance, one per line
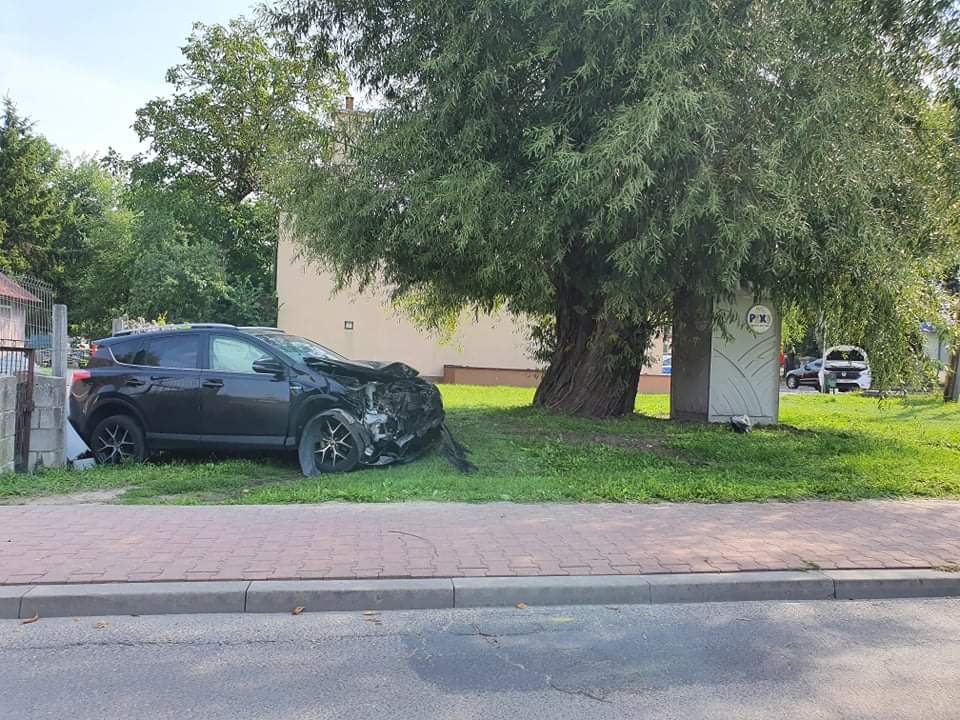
(597, 161)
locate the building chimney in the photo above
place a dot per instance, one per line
(349, 103)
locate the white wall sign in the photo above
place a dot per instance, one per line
(759, 318)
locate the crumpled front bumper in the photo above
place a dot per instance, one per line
(418, 422)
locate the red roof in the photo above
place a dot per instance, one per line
(10, 289)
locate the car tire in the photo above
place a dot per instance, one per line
(118, 439)
(330, 443)
(792, 382)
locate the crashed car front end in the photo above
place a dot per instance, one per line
(400, 419)
(396, 414)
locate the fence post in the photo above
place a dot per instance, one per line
(60, 343)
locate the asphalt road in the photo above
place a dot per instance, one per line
(895, 659)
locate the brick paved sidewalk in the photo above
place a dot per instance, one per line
(56, 544)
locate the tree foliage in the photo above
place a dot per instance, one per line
(243, 98)
(597, 161)
(243, 101)
(96, 245)
(187, 231)
(30, 216)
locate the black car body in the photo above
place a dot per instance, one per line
(807, 374)
(221, 387)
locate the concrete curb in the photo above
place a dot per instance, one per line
(161, 598)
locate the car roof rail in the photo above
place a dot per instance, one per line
(177, 326)
(260, 328)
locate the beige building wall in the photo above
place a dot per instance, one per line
(309, 307)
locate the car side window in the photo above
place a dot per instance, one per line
(230, 354)
(178, 351)
(126, 352)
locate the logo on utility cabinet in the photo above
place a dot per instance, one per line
(759, 318)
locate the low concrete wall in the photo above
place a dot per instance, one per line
(47, 437)
(8, 420)
(650, 384)
(463, 375)
(654, 384)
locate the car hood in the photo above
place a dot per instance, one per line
(363, 370)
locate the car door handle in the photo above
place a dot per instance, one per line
(134, 382)
(160, 377)
(212, 383)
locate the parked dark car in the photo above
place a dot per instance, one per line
(222, 387)
(806, 374)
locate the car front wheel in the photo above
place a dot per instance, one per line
(792, 382)
(118, 439)
(329, 444)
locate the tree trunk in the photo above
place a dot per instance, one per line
(951, 393)
(589, 373)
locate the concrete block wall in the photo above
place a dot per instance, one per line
(47, 436)
(8, 420)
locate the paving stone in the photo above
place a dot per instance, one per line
(114, 543)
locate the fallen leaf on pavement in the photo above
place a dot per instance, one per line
(297, 610)
(30, 620)
(101, 624)
(561, 619)
(370, 612)
(522, 606)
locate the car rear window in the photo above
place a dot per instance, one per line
(848, 355)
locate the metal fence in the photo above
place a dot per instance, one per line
(20, 362)
(26, 343)
(26, 316)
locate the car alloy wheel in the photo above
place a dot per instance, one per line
(334, 447)
(792, 382)
(115, 443)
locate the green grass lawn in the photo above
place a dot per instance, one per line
(839, 447)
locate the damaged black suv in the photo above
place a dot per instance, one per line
(221, 387)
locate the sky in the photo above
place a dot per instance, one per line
(79, 69)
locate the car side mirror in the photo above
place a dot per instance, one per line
(268, 366)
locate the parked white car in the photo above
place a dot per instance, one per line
(850, 366)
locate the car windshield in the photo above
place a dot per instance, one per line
(298, 348)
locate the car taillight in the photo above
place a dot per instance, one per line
(93, 349)
(81, 375)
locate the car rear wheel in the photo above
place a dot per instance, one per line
(329, 444)
(118, 439)
(792, 382)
